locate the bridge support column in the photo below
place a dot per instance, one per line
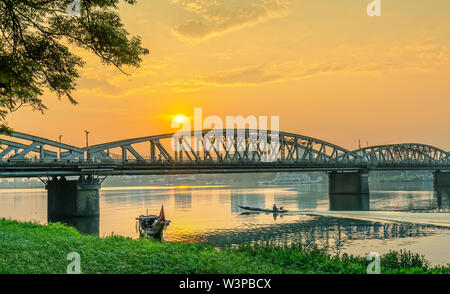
(441, 180)
(348, 190)
(441, 183)
(73, 198)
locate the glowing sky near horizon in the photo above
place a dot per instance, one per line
(326, 68)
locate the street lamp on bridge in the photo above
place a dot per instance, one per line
(87, 138)
(60, 137)
(87, 144)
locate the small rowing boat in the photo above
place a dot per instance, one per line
(152, 225)
(263, 209)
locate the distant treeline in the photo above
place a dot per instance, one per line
(222, 179)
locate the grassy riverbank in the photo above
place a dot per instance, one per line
(32, 248)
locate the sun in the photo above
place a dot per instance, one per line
(180, 118)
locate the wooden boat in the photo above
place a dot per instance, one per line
(263, 209)
(152, 226)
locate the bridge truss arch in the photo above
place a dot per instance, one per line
(410, 153)
(20, 146)
(224, 145)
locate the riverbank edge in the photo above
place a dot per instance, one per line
(27, 247)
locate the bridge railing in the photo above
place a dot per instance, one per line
(160, 161)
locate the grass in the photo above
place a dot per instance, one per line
(33, 248)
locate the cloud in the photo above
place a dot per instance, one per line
(347, 59)
(96, 84)
(251, 76)
(184, 85)
(413, 57)
(264, 74)
(428, 52)
(197, 6)
(118, 85)
(217, 18)
(115, 92)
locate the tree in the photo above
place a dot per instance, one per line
(36, 37)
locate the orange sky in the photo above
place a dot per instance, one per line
(325, 67)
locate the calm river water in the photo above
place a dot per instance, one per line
(210, 215)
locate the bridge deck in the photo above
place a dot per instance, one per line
(44, 169)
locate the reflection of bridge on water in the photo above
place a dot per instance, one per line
(305, 198)
(323, 231)
(183, 199)
(443, 200)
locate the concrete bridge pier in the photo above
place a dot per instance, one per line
(441, 183)
(73, 198)
(441, 180)
(348, 190)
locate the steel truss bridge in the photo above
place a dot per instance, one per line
(207, 151)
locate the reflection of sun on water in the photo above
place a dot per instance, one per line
(182, 187)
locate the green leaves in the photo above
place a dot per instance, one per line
(35, 55)
(32, 248)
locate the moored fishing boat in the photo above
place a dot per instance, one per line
(152, 226)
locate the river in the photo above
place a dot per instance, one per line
(210, 215)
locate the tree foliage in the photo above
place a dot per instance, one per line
(36, 37)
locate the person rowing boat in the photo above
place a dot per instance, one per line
(274, 209)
